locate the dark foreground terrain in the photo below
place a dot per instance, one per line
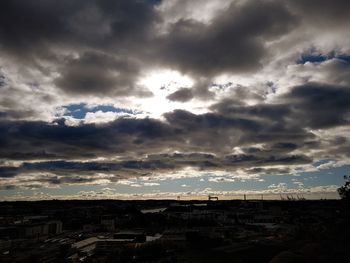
(175, 231)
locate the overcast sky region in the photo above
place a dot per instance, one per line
(137, 99)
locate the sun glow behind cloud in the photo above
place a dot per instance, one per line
(161, 82)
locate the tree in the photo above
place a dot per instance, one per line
(344, 191)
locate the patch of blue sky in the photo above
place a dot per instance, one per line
(79, 111)
(314, 57)
(344, 57)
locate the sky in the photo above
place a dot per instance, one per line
(179, 99)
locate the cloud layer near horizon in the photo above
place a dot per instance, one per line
(245, 87)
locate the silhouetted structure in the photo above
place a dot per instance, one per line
(174, 231)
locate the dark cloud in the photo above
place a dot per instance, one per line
(281, 126)
(95, 45)
(338, 71)
(45, 140)
(285, 146)
(25, 25)
(28, 26)
(2, 81)
(273, 112)
(253, 160)
(16, 114)
(181, 95)
(313, 105)
(323, 12)
(317, 105)
(203, 141)
(100, 74)
(64, 172)
(183, 131)
(232, 42)
(189, 121)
